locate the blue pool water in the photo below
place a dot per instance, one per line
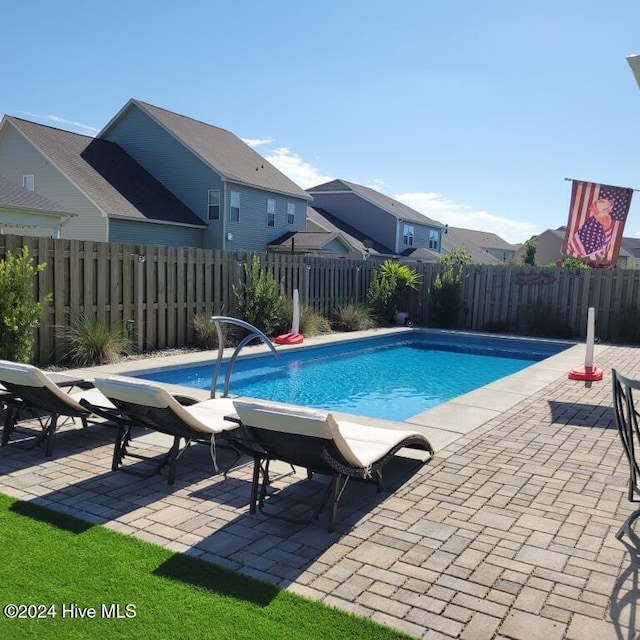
(393, 377)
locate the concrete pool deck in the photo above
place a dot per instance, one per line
(508, 533)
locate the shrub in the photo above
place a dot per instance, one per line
(353, 317)
(260, 301)
(389, 289)
(312, 323)
(19, 313)
(91, 339)
(445, 297)
(205, 334)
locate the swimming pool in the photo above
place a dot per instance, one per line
(392, 377)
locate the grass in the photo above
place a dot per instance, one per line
(50, 558)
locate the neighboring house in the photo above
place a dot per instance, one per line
(379, 218)
(244, 200)
(24, 212)
(632, 247)
(490, 242)
(155, 177)
(454, 238)
(549, 249)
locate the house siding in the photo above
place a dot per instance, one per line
(137, 232)
(18, 157)
(420, 236)
(172, 164)
(251, 232)
(360, 214)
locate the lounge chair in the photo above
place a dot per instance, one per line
(626, 418)
(27, 388)
(139, 403)
(315, 440)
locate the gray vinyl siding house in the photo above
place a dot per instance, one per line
(383, 219)
(19, 158)
(191, 159)
(155, 177)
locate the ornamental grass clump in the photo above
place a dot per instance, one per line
(92, 339)
(353, 317)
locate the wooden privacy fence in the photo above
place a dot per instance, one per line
(154, 291)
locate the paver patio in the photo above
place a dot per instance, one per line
(507, 533)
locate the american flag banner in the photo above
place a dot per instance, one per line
(596, 220)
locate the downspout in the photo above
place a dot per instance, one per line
(223, 213)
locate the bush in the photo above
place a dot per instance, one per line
(353, 317)
(205, 334)
(389, 289)
(92, 339)
(312, 323)
(445, 297)
(19, 313)
(260, 301)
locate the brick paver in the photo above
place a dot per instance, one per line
(507, 534)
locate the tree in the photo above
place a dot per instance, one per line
(457, 257)
(529, 253)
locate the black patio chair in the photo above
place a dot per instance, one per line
(626, 418)
(140, 403)
(45, 396)
(315, 440)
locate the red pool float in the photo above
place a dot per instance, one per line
(289, 338)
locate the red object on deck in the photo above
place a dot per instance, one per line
(590, 374)
(289, 338)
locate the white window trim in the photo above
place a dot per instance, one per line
(235, 196)
(26, 179)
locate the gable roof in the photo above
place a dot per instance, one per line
(13, 195)
(393, 207)
(484, 239)
(634, 63)
(223, 151)
(309, 241)
(319, 218)
(452, 239)
(106, 174)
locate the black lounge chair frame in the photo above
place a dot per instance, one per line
(18, 398)
(316, 455)
(626, 419)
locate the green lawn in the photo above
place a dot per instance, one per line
(55, 561)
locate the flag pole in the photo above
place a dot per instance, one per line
(575, 180)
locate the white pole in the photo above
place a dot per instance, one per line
(295, 328)
(588, 358)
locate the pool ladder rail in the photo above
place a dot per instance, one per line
(253, 334)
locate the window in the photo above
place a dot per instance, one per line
(214, 204)
(434, 239)
(291, 212)
(271, 212)
(234, 210)
(408, 235)
(29, 182)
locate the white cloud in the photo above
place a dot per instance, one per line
(439, 208)
(293, 166)
(433, 205)
(59, 120)
(257, 142)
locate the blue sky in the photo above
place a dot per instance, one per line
(471, 112)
